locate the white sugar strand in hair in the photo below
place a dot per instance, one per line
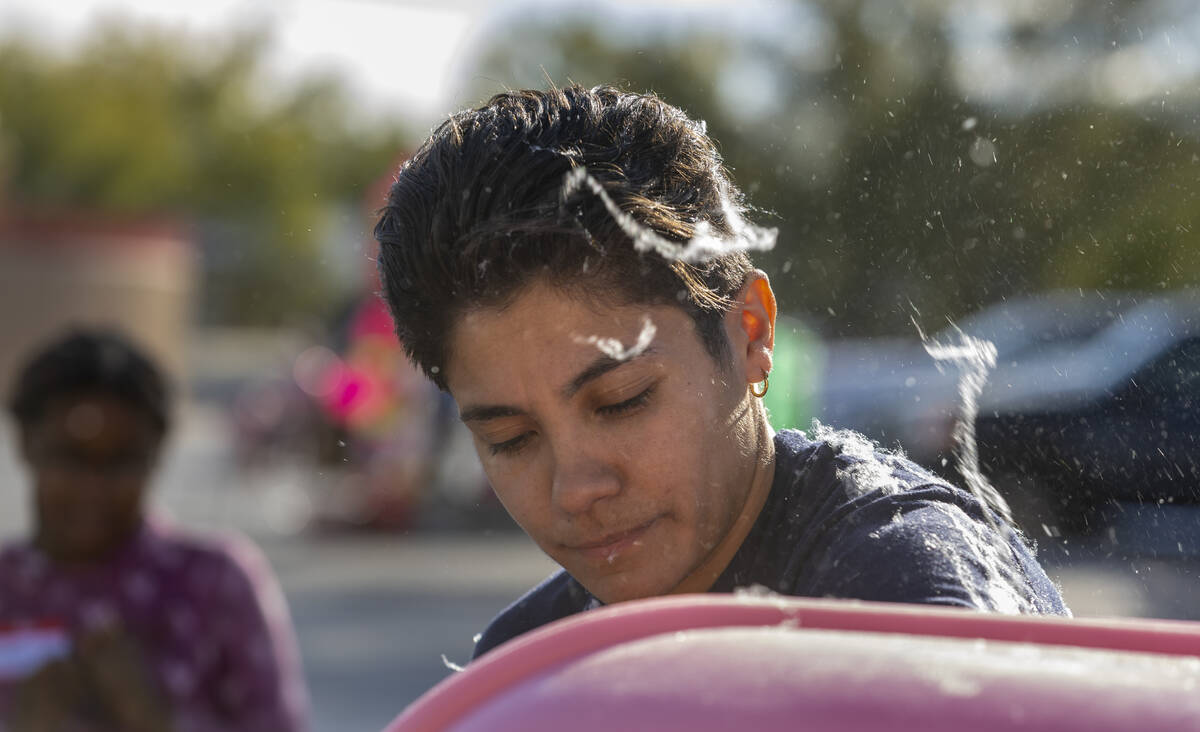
(701, 247)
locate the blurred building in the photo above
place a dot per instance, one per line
(60, 269)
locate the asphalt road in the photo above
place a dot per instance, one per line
(376, 614)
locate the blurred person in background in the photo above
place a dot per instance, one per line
(388, 417)
(160, 630)
(539, 255)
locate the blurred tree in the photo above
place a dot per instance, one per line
(920, 159)
(148, 121)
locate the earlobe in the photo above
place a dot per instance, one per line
(758, 310)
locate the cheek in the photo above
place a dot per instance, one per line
(52, 489)
(708, 472)
(127, 495)
(518, 488)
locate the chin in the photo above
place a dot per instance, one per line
(81, 549)
(621, 588)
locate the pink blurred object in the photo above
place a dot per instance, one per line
(721, 662)
(372, 319)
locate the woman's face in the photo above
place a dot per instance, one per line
(626, 470)
(91, 457)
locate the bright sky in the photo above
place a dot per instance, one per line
(396, 56)
(401, 56)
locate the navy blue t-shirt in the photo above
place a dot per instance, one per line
(844, 519)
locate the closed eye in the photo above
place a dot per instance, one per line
(509, 447)
(629, 405)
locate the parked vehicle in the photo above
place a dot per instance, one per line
(1112, 420)
(1090, 407)
(893, 391)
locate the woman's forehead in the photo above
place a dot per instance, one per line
(549, 329)
(544, 315)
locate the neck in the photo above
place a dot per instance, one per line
(77, 557)
(705, 576)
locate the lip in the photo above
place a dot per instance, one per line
(608, 548)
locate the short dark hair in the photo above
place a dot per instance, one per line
(87, 362)
(479, 211)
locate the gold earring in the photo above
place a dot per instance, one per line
(765, 385)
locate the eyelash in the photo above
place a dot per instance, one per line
(509, 447)
(627, 405)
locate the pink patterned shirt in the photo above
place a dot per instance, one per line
(207, 613)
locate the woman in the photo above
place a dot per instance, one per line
(162, 630)
(570, 265)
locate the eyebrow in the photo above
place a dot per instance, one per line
(484, 413)
(598, 368)
(601, 366)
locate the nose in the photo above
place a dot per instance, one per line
(583, 476)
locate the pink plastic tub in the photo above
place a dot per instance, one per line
(718, 662)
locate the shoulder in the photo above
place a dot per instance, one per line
(890, 530)
(838, 478)
(558, 596)
(14, 552)
(20, 568)
(217, 565)
(929, 546)
(858, 464)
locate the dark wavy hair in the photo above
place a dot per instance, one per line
(479, 212)
(87, 362)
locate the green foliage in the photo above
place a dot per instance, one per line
(151, 122)
(897, 192)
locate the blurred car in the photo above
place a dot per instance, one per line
(1114, 419)
(1088, 413)
(893, 391)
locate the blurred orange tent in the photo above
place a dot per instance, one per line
(64, 268)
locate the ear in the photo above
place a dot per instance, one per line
(752, 322)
